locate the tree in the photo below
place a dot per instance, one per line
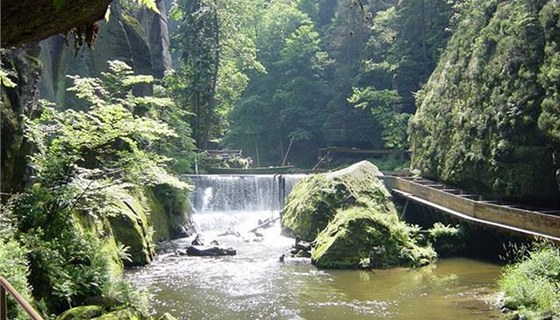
(288, 100)
(215, 39)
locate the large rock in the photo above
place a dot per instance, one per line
(130, 225)
(350, 215)
(81, 312)
(169, 207)
(138, 37)
(368, 237)
(314, 200)
(31, 20)
(488, 118)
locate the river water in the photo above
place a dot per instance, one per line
(254, 285)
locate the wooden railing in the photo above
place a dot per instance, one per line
(5, 289)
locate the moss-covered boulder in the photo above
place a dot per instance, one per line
(368, 237)
(125, 314)
(169, 207)
(314, 200)
(351, 217)
(130, 226)
(81, 312)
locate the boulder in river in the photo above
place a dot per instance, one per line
(368, 238)
(350, 216)
(200, 251)
(315, 200)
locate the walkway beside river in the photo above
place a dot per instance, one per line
(518, 219)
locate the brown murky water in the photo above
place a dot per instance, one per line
(255, 285)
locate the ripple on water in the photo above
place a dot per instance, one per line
(254, 285)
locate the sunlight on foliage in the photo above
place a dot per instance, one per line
(381, 104)
(530, 284)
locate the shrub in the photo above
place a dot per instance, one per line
(531, 284)
(14, 268)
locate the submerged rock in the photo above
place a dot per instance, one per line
(200, 251)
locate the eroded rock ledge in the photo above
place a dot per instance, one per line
(31, 20)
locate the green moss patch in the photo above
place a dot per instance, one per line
(350, 215)
(314, 201)
(367, 237)
(82, 312)
(130, 227)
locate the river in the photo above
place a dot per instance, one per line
(254, 285)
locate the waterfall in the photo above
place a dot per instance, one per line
(237, 202)
(241, 192)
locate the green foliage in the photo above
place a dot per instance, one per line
(381, 104)
(482, 115)
(83, 162)
(282, 111)
(549, 119)
(150, 4)
(13, 265)
(446, 239)
(216, 47)
(392, 162)
(5, 79)
(530, 284)
(66, 269)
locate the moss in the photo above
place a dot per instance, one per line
(484, 116)
(368, 237)
(129, 21)
(82, 312)
(314, 201)
(125, 314)
(130, 227)
(169, 210)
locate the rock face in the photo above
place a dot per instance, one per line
(31, 20)
(23, 69)
(352, 220)
(488, 119)
(169, 208)
(130, 226)
(138, 37)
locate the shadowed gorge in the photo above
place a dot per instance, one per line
(280, 159)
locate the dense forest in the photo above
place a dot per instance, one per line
(100, 122)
